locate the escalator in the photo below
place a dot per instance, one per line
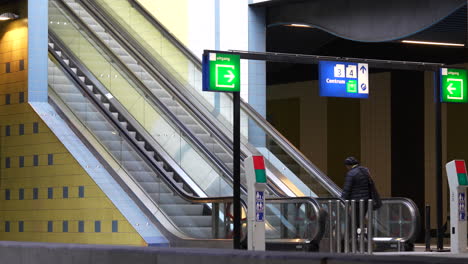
(159, 181)
(170, 71)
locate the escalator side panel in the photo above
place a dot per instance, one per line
(96, 170)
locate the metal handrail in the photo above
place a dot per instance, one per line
(304, 200)
(412, 207)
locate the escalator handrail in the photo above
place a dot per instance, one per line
(168, 180)
(318, 211)
(148, 94)
(412, 207)
(174, 40)
(260, 120)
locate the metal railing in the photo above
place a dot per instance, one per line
(395, 224)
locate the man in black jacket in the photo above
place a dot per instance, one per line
(356, 186)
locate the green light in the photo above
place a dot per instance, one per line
(351, 86)
(462, 180)
(453, 85)
(224, 72)
(260, 176)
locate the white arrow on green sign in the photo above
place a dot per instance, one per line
(453, 85)
(221, 72)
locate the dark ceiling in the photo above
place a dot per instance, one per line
(314, 41)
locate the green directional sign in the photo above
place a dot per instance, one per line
(453, 85)
(221, 72)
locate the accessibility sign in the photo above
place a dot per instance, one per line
(221, 72)
(259, 196)
(344, 79)
(260, 206)
(461, 207)
(453, 85)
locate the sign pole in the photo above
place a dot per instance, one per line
(236, 163)
(438, 161)
(221, 73)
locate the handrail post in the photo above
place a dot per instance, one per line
(215, 220)
(369, 226)
(361, 226)
(428, 228)
(338, 226)
(353, 226)
(346, 231)
(330, 224)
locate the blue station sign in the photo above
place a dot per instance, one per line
(344, 79)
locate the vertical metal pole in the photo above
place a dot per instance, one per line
(236, 163)
(330, 224)
(215, 220)
(284, 213)
(353, 226)
(369, 226)
(438, 159)
(361, 225)
(338, 226)
(428, 228)
(346, 227)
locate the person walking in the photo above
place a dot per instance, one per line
(356, 186)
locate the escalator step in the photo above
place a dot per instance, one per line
(160, 93)
(192, 220)
(81, 107)
(132, 67)
(215, 148)
(73, 98)
(168, 102)
(155, 187)
(127, 59)
(132, 134)
(198, 232)
(133, 165)
(196, 129)
(168, 198)
(100, 126)
(182, 209)
(206, 139)
(144, 176)
(224, 157)
(155, 87)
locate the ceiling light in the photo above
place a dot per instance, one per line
(433, 43)
(8, 16)
(299, 25)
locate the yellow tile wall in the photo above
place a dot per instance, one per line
(64, 172)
